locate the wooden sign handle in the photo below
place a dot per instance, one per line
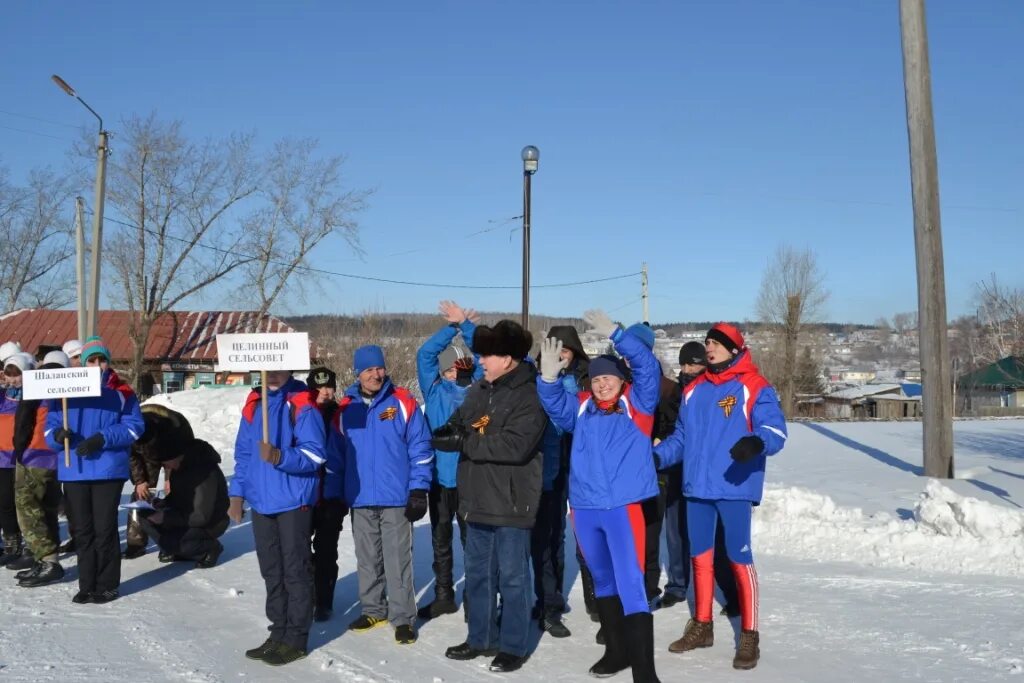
(67, 442)
(263, 404)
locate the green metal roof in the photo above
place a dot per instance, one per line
(1008, 372)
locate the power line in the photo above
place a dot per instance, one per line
(370, 278)
(36, 118)
(32, 132)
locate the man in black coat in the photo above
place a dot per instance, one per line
(188, 522)
(497, 430)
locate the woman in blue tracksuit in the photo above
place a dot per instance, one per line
(101, 430)
(729, 422)
(611, 472)
(445, 374)
(280, 477)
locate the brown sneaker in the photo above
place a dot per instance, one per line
(748, 652)
(697, 634)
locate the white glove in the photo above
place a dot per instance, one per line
(600, 322)
(551, 362)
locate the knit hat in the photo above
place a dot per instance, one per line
(23, 361)
(449, 356)
(94, 346)
(728, 336)
(693, 353)
(607, 365)
(8, 349)
(322, 377)
(72, 347)
(56, 359)
(506, 338)
(643, 332)
(370, 356)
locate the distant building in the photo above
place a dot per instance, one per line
(996, 389)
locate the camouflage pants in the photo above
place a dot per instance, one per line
(37, 497)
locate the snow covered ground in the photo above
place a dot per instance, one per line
(869, 572)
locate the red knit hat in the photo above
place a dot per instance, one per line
(728, 336)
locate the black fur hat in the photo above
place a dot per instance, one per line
(506, 338)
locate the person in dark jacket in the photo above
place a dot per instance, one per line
(611, 474)
(279, 477)
(100, 431)
(168, 434)
(445, 373)
(547, 541)
(188, 522)
(729, 423)
(498, 429)
(330, 509)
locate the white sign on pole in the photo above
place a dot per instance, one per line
(61, 383)
(265, 351)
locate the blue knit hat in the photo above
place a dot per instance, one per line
(94, 346)
(642, 332)
(607, 365)
(370, 356)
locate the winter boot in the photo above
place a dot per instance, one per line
(49, 572)
(589, 598)
(132, 552)
(553, 624)
(748, 651)
(615, 657)
(260, 651)
(697, 634)
(639, 632)
(209, 560)
(69, 546)
(25, 561)
(283, 654)
(31, 571)
(14, 548)
(444, 603)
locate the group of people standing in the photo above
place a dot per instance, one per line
(506, 446)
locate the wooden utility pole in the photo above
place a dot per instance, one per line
(643, 293)
(936, 396)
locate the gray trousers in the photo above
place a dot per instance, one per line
(383, 542)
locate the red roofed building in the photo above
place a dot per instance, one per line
(181, 352)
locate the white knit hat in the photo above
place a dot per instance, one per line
(23, 361)
(73, 348)
(57, 358)
(8, 349)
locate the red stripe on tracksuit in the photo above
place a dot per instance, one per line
(748, 592)
(704, 589)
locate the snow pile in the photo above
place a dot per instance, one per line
(213, 414)
(947, 532)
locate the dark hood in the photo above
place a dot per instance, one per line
(570, 339)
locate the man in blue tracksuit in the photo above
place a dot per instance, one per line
(388, 462)
(279, 477)
(547, 540)
(445, 373)
(729, 423)
(101, 430)
(611, 474)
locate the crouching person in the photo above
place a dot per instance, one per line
(279, 478)
(188, 522)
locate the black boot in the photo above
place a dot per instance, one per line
(49, 572)
(615, 657)
(24, 561)
(589, 599)
(639, 629)
(14, 549)
(444, 603)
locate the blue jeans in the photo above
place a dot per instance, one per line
(497, 560)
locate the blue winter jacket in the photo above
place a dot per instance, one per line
(554, 436)
(610, 464)
(297, 429)
(717, 411)
(386, 446)
(115, 414)
(441, 397)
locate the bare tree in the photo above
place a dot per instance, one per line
(902, 323)
(36, 247)
(305, 204)
(179, 197)
(792, 294)
(1001, 319)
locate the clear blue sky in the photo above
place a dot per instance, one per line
(697, 136)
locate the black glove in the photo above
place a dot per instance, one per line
(94, 444)
(448, 437)
(60, 434)
(464, 372)
(416, 507)
(746, 448)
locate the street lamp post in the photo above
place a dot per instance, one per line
(531, 155)
(97, 220)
